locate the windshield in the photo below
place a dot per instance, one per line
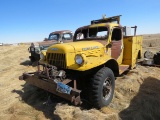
(91, 33)
(53, 37)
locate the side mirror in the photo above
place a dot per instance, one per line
(109, 45)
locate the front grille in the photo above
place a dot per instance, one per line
(57, 59)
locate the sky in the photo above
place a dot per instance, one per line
(33, 20)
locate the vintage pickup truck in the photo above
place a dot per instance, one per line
(54, 37)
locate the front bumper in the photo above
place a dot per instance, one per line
(48, 84)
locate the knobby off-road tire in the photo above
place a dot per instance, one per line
(102, 87)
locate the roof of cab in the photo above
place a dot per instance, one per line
(100, 25)
(61, 31)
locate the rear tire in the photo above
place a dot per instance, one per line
(102, 87)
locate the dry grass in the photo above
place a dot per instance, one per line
(152, 40)
(136, 95)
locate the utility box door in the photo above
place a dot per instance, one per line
(132, 50)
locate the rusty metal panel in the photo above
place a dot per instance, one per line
(50, 86)
(116, 49)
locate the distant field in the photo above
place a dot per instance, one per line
(151, 40)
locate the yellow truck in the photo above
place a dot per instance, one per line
(87, 67)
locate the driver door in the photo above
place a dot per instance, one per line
(117, 44)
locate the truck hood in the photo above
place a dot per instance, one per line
(47, 43)
(74, 47)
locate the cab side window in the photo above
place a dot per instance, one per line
(80, 36)
(116, 34)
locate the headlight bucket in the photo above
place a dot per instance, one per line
(80, 59)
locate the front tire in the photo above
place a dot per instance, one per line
(102, 87)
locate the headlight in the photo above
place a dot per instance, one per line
(79, 59)
(42, 55)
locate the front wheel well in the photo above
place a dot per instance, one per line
(113, 65)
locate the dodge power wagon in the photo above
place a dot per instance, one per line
(87, 67)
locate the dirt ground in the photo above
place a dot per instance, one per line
(137, 93)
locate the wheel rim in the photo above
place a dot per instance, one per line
(107, 88)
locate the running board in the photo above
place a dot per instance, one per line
(123, 68)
